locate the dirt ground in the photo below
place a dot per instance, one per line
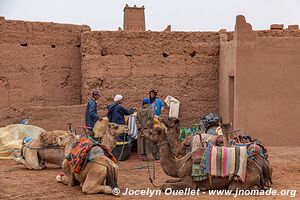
(17, 182)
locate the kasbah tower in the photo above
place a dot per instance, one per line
(134, 18)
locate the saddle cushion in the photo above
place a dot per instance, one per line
(80, 154)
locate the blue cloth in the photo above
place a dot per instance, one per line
(158, 104)
(27, 139)
(24, 121)
(146, 101)
(91, 115)
(116, 113)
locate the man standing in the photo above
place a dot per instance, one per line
(144, 123)
(157, 104)
(116, 112)
(91, 115)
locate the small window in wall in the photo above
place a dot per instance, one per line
(23, 44)
(104, 51)
(193, 53)
(53, 46)
(165, 55)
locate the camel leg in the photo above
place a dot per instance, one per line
(172, 180)
(252, 181)
(31, 160)
(105, 189)
(23, 162)
(183, 183)
(68, 178)
(94, 181)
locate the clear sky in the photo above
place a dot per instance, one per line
(183, 15)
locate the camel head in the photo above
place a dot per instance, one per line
(52, 138)
(116, 130)
(170, 122)
(156, 135)
(68, 139)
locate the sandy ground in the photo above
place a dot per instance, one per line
(17, 182)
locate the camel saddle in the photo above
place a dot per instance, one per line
(79, 156)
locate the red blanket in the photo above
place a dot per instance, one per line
(79, 154)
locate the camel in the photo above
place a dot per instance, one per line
(182, 169)
(101, 174)
(43, 149)
(180, 149)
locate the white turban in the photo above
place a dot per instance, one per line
(118, 97)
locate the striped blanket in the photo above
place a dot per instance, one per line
(209, 137)
(198, 158)
(132, 129)
(227, 161)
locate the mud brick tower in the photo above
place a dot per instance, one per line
(134, 18)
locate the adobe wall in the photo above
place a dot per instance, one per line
(180, 64)
(57, 117)
(40, 66)
(226, 73)
(267, 86)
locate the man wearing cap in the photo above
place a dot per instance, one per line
(91, 115)
(116, 112)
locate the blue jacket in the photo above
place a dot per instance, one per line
(91, 115)
(116, 113)
(158, 104)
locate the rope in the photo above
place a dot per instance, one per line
(123, 147)
(42, 147)
(153, 166)
(150, 177)
(134, 168)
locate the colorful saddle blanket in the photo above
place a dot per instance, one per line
(227, 161)
(80, 154)
(198, 158)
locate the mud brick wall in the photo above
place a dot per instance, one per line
(267, 85)
(39, 65)
(183, 65)
(57, 117)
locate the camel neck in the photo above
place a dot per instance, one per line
(69, 146)
(173, 136)
(167, 160)
(108, 141)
